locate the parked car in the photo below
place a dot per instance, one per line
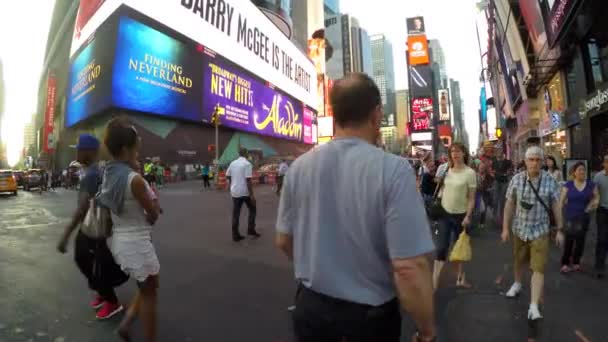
(8, 183)
(33, 179)
(19, 177)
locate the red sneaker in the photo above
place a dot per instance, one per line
(97, 302)
(108, 310)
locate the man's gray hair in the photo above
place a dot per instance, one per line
(534, 151)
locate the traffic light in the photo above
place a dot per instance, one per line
(498, 133)
(215, 117)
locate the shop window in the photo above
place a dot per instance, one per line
(596, 62)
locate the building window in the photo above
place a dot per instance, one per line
(596, 62)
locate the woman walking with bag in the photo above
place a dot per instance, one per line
(458, 190)
(126, 194)
(579, 197)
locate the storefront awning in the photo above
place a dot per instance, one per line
(248, 141)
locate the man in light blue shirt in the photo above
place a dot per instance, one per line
(355, 226)
(601, 248)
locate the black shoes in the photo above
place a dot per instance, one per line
(238, 238)
(254, 234)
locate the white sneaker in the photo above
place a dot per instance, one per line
(534, 313)
(514, 291)
(291, 308)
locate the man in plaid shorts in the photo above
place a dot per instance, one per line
(531, 196)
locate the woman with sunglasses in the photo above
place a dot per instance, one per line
(579, 197)
(458, 188)
(125, 192)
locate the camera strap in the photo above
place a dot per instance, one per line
(537, 195)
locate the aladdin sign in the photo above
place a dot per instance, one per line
(595, 103)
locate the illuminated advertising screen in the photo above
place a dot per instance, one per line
(418, 50)
(155, 73)
(422, 113)
(415, 26)
(444, 105)
(89, 82)
(421, 80)
(249, 104)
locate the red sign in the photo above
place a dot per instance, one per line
(422, 113)
(85, 11)
(328, 87)
(49, 114)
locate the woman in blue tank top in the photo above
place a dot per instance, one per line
(579, 198)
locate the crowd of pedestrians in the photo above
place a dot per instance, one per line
(349, 219)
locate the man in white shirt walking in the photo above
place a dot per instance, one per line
(239, 175)
(283, 168)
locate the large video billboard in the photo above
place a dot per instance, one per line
(418, 50)
(421, 81)
(248, 104)
(155, 73)
(149, 71)
(422, 113)
(90, 76)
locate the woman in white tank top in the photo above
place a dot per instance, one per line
(134, 211)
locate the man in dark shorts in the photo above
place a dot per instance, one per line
(90, 252)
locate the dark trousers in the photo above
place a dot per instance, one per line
(280, 184)
(206, 183)
(450, 227)
(85, 251)
(574, 245)
(601, 247)
(320, 318)
(236, 214)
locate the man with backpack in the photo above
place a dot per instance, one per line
(91, 252)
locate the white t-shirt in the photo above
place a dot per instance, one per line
(239, 171)
(283, 167)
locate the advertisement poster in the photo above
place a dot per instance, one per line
(444, 105)
(422, 113)
(316, 52)
(418, 48)
(89, 82)
(49, 114)
(421, 80)
(415, 26)
(247, 104)
(155, 73)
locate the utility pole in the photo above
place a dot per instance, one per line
(215, 120)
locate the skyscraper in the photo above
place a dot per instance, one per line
(350, 45)
(332, 7)
(307, 16)
(402, 109)
(438, 56)
(383, 72)
(457, 114)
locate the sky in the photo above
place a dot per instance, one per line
(22, 53)
(452, 22)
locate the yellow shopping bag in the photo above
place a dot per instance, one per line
(462, 248)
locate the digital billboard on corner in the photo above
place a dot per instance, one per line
(249, 104)
(144, 67)
(89, 88)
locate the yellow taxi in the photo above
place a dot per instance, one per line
(8, 182)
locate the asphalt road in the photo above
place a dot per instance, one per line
(212, 289)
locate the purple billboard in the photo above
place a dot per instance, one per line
(248, 104)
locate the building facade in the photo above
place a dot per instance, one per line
(383, 71)
(547, 63)
(402, 109)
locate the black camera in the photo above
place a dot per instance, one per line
(526, 205)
